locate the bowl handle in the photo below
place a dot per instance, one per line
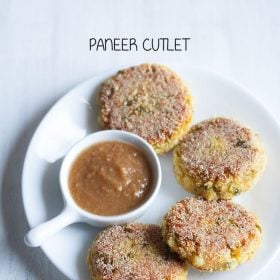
(36, 236)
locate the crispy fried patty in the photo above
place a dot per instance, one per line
(134, 251)
(148, 100)
(211, 235)
(218, 158)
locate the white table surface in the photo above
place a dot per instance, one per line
(44, 52)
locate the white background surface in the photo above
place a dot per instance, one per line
(44, 52)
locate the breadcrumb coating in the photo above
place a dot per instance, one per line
(211, 235)
(219, 158)
(134, 251)
(150, 101)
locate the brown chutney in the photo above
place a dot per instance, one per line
(110, 178)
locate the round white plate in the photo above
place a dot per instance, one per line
(75, 115)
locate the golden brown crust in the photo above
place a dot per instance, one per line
(134, 251)
(218, 158)
(211, 235)
(148, 100)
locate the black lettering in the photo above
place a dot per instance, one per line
(132, 42)
(177, 45)
(108, 41)
(163, 40)
(186, 43)
(168, 48)
(144, 48)
(125, 47)
(153, 45)
(92, 43)
(101, 44)
(117, 44)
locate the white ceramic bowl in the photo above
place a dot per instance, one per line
(72, 213)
